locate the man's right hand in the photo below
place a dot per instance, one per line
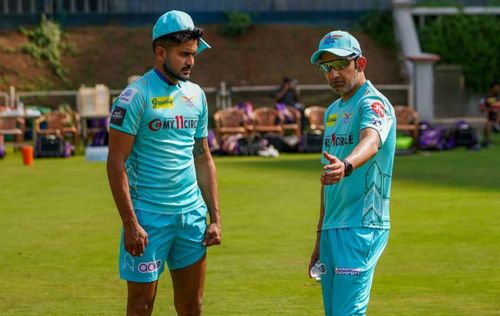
(333, 172)
(135, 239)
(314, 258)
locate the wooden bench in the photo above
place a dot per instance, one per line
(407, 121)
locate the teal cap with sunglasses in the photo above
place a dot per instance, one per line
(339, 43)
(175, 21)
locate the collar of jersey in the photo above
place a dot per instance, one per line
(163, 78)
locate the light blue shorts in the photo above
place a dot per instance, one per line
(175, 239)
(350, 256)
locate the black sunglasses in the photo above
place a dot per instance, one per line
(337, 64)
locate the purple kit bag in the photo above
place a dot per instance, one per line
(435, 137)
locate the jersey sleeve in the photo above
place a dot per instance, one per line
(378, 114)
(127, 111)
(202, 126)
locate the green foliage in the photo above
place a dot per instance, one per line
(438, 3)
(8, 50)
(45, 43)
(468, 40)
(237, 24)
(379, 25)
(450, 3)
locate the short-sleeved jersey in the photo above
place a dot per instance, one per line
(165, 119)
(362, 199)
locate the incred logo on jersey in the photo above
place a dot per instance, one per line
(378, 108)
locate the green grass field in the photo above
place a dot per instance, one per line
(59, 238)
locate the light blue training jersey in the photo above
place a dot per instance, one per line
(165, 119)
(362, 199)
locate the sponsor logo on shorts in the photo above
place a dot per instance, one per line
(127, 95)
(177, 122)
(159, 103)
(348, 271)
(147, 267)
(330, 121)
(118, 116)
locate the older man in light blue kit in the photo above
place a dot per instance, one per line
(358, 156)
(161, 173)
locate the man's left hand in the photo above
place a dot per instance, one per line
(212, 235)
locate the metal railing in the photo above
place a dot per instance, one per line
(227, 93)
(223, 94)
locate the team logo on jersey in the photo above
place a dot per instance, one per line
(177, 122)
(159, 103)
(346, 117)
(188, 100)
(127, 95)
(338, 140)
(330, 121)
(378, 108)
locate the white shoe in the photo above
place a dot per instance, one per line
(269, 152)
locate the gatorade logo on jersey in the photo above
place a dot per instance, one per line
(339, 140)
(330, 121)
(378, 108)
(177, 122)
(159, 103)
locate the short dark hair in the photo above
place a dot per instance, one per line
(176, 38)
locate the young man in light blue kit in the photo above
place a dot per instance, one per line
(358, 156)
(161, 173)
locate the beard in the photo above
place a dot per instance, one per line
(341, 87)
(177, 75)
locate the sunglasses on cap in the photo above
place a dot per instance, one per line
(337, 64)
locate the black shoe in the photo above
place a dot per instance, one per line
(486, 144)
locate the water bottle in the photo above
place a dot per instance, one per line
(317, 270)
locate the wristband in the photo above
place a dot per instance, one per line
(347, 168)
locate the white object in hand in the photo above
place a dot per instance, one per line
(317, 270)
